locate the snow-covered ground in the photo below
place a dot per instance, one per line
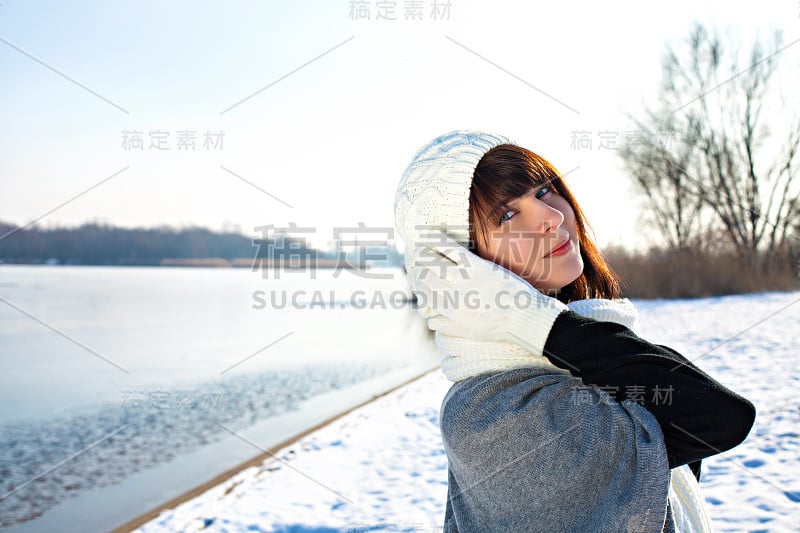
(382, 467)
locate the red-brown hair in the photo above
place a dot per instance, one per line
(508, 171)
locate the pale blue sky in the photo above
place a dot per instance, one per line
(327, 143)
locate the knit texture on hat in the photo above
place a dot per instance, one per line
(434, 190)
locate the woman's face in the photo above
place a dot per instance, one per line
(525, 233)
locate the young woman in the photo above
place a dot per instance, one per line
(560, 417)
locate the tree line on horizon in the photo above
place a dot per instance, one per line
(105, 244)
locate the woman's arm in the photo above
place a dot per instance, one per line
(699, 417)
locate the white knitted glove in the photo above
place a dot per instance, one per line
(462, 294)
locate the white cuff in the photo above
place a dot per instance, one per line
(529, 323)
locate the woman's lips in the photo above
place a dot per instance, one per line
(561, 250)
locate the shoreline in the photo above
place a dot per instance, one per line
(149, 515)
(219, 262)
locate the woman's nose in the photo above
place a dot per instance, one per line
(551, 219)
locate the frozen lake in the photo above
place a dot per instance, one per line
(140, 378)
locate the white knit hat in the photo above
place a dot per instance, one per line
(434, 189)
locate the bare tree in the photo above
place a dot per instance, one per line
(721, 161)
(660, 176)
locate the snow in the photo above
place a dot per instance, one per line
(382, 467)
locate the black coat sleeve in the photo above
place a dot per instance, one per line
(698, 416)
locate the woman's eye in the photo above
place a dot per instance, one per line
(503, 219)
(541, 192)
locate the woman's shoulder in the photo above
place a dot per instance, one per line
(483, 398)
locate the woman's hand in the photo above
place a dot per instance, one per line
(462, 294)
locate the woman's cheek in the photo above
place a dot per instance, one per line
(527, 259)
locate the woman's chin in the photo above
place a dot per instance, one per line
(553, 287)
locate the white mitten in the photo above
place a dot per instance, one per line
(462, 294)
